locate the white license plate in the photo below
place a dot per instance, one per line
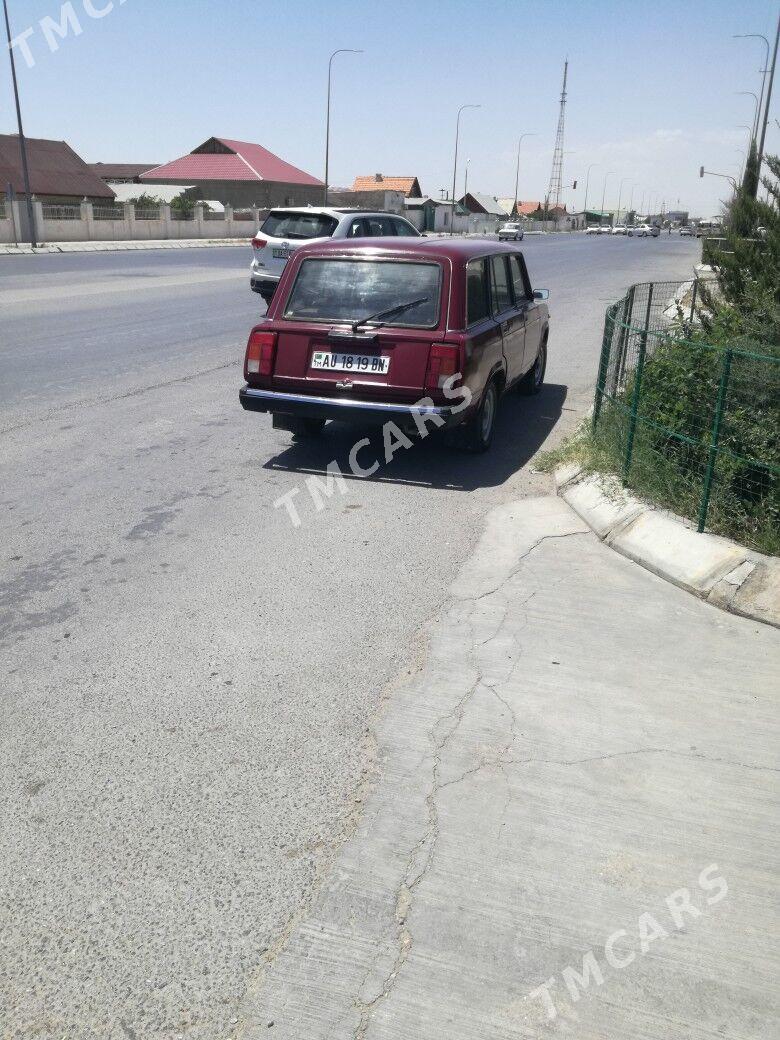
(281, 254)
(350, 362)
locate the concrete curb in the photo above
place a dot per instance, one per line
(713, 568)
(105, 247)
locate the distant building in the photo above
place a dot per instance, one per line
(239, 174)
(408, 186)
(120, 173)
(488, 205)
(57, 173)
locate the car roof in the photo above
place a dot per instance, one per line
(456, 249)
(335, 211)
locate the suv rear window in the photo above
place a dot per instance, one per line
(284, 224)
(350, 290)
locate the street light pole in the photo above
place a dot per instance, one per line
(22, 142)
(604, 194)
(620, 195)
(517, 168)
(755, 99)
(455, 164)
(766, 103)
(341, 50)
(757, 36)
(587, 182)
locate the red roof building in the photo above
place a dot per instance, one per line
(239, 173)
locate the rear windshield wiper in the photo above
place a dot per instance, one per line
(392, 312)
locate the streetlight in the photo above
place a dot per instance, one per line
(709, 173)
(341, 50)
(517, 168)
(767, 104)
(22, 142)
(587, 182)
(631, 200)
(755, 98)
(455, 163)
(620, 195)
(604, 194)
(757, 36)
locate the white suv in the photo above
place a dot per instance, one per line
(283, 230)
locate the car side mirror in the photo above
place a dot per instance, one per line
(541, 294)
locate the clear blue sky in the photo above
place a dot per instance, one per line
(651, 86)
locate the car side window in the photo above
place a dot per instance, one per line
(502, 293)
(401, 228)
(518, 279)
(477, 305)
(357, 230)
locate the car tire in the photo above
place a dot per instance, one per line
(480, 428)
(533, 380)
(307, 429)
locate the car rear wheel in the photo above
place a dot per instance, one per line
(479, 432)
(532, 381)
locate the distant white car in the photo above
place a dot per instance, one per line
(619, 229)
(686, 231)
(283, 230)
(644, 231)
(510, 232)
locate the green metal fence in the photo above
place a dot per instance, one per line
(694, 427)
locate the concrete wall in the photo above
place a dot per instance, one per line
(86, 228)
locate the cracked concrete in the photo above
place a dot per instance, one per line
(583, 740)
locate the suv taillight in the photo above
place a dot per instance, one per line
(260, 354)
(443, 362)
(259, 243)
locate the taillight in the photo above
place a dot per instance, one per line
(259, 243)
(443, 362)
(260, 354)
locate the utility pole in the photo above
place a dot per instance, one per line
(22, 142)
(341, 50)
(455, 164)
(587, 182)
(556, 175)
(517, 168)
(766, 107)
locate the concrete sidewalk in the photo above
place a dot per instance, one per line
(577, 791)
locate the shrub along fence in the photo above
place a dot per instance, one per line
(691, 426)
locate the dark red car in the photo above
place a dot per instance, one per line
(422, 332)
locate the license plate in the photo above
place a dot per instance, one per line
(350, 362)
(281, 254)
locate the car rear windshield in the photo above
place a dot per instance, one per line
(298, 225)
(350, 290)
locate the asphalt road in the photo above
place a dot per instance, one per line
(190, 682)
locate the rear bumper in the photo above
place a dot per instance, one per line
(263, 284)
(306, 406)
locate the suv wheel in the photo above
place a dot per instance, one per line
(532, 381)
(479, 432)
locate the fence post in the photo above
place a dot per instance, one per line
(640, 365)
(720, 403)
(606, 350)
(628, 312)
(693, 303)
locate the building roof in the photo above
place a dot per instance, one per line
(221, 159)
(379, 182)
(54, 167)
(526, 208)
(486, 204)
(119, 171)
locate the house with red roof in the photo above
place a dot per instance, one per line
(239, 173)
